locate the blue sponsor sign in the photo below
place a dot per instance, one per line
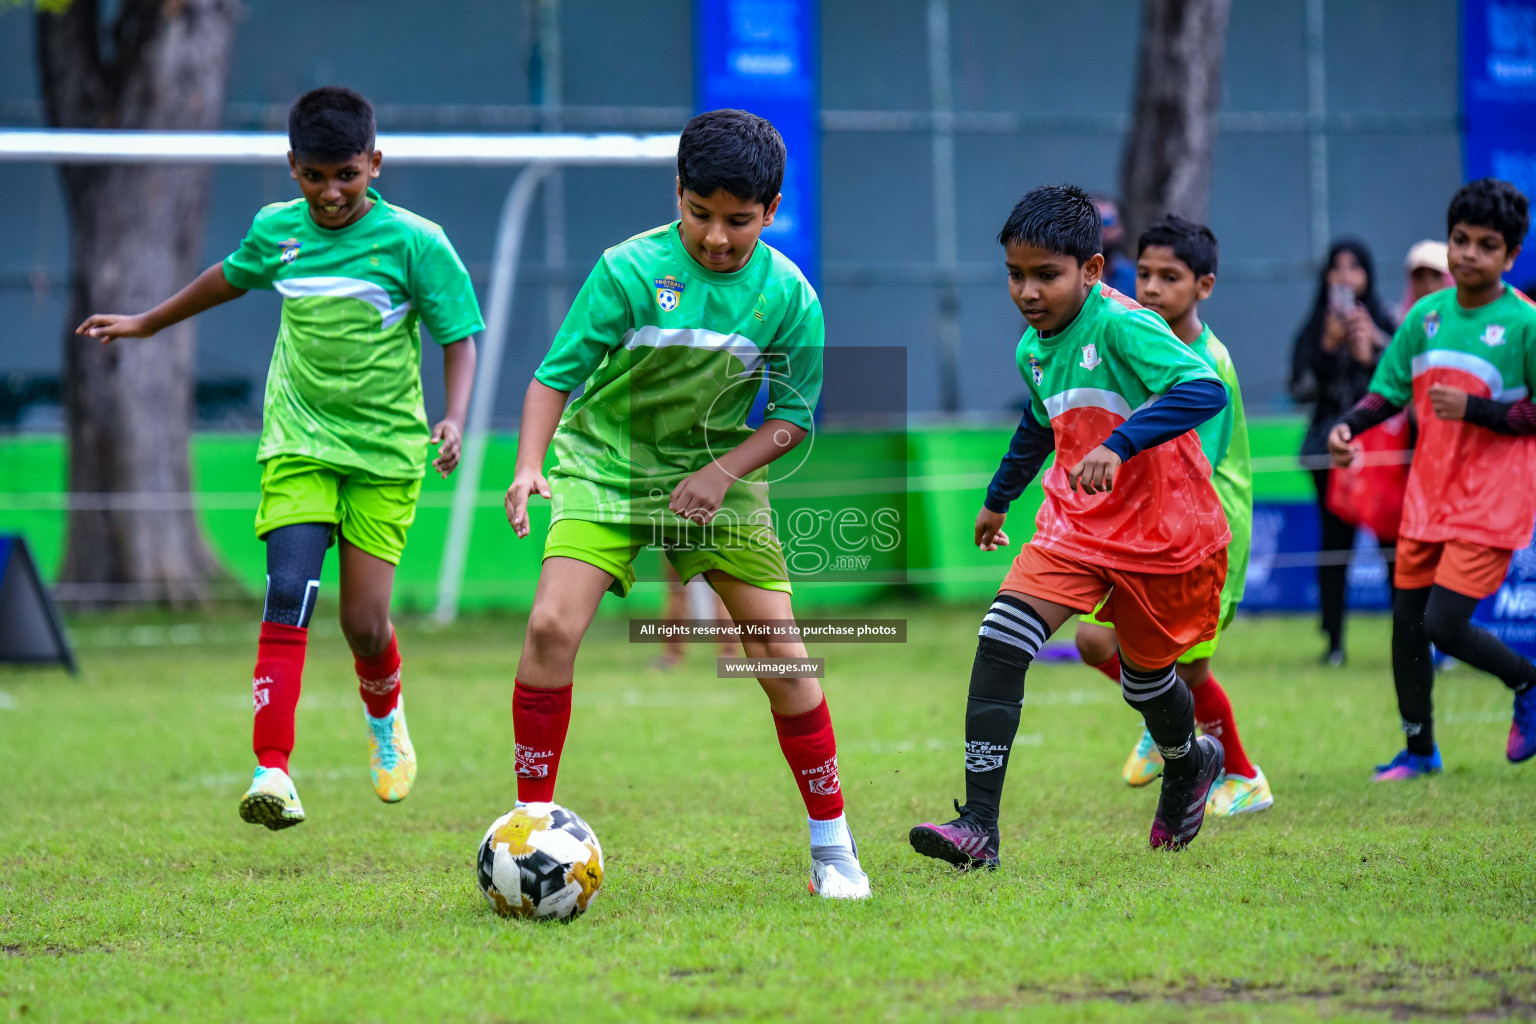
(1282, 569)
(1498, 99)
(1510, 614)
(765, 56)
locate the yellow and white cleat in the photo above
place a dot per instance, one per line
(1234, 794)
(1145, 762)
(391, 758)
(272, 801)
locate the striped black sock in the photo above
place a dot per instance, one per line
(1011, 635)
(1168, 708)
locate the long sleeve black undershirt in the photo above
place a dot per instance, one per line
(1510, 418)
(1032, 444)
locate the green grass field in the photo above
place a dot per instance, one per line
(131, 890)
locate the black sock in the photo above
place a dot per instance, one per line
(1011, 635)
(1413, 669)
(1448, 622)
(1168, 708)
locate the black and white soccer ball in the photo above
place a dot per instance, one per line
(540, 861)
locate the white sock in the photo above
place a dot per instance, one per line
(833, 832)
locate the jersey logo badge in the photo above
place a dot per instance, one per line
(288, 249)
(1431, 324)
(669, 292)
(1036, 370)
(1492, 336)
(1090, 357)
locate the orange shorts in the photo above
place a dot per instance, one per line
(1472, 570)
(1157, 616)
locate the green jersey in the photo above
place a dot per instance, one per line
(1467, 482)
(672, 355)
(1224, 439)
(345, 383)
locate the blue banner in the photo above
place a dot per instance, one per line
(765, 56)
(1498, 100)
(1510, 614)
(1282, 569)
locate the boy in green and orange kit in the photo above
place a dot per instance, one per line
(1176, 271)
(1129, 512)
(1465, 357)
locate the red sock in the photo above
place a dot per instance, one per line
(1111, 668)
(275, 688)
(811, 750)
(539, 722)
(1213, 713)
(378, 679)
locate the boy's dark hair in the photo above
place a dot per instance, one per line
(330, 123)
(1061, 218)
(1194, 244)
(732, 150)
(1491, 203)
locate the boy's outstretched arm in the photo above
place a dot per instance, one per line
(542, 406)
(459, 380)
(208, 289)
(701, 493)
(1032, 444)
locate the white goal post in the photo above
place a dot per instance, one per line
(536, 154)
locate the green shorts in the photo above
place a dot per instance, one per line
(371, 512)
(1200, 650)
(750, 554)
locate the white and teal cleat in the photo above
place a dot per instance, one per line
(391, 757)
(272, 801)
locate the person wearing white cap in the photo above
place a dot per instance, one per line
(1428, 271)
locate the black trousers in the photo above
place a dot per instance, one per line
(1338, 539)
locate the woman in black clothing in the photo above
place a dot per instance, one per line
(1335, 355)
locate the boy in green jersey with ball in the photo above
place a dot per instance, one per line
(344, 430)
(672, 335)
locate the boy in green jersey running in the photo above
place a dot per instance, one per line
(344, 430)
(1176, 271)
(671, 335)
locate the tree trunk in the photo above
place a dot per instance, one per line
(135, 237)
(1166, 166)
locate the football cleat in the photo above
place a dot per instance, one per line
(1145, 762)
(1408, 765)
(272, 801)
(1181, 806)
(836, 874)
(391, 758)
(1522, 731)
(966, 842)
(1234, 794)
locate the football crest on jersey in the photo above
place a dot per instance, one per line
(669, 292)
(1493, 335)
(1090, 356)
(1036, 370)
(1431, 324)
(288, 249)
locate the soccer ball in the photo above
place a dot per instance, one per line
(541, 861)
